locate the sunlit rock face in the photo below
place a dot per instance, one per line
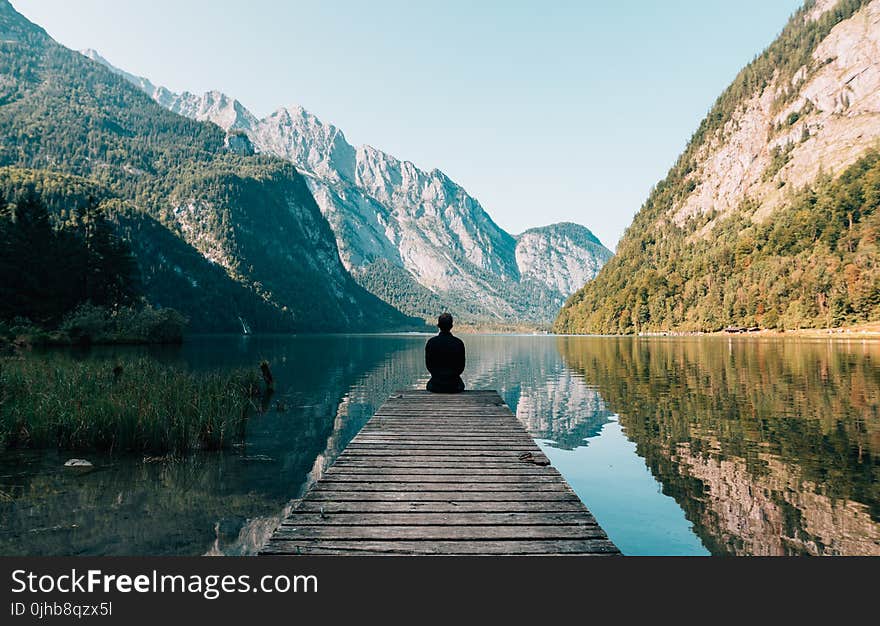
(396, 223)
(239, 143)
(783, 147)
(564, 256)
(832, 119)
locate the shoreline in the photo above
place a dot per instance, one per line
(861, 331)
(869, 330)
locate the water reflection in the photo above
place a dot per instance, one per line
(678, 446)
(223, 503)
(770, 447)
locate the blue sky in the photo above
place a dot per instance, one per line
(545, 111)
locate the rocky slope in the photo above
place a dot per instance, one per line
(564, 256)
(220, 235)
(413, 237)
(740, 206)
(830, 115)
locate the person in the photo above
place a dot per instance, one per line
(444, 358)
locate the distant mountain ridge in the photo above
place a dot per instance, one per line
(413, 237)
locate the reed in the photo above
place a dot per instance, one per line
(128, 405)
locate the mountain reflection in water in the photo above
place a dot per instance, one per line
(743, 446)
(769, 446)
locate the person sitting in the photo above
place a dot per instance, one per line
(444, 358)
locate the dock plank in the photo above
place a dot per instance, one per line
(442, 496)
(422, 518)
(328, 508)
(437, 474)
(591, 547)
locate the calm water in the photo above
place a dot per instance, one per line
(678, 446)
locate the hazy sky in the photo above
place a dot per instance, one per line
(544, 110)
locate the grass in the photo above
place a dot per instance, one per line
(129, 405)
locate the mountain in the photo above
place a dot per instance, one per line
(769, 217)
(564, 256)
(414, 238)
(224, 236)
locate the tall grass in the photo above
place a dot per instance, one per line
(134, 405)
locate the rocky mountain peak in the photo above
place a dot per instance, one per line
(397, 224)
(298, 136)
(140, 81)
(564, 255)
(819, 120)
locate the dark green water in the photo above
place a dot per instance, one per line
(678, 446)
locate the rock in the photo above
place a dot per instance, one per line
(238, 142)
(837, 102)
(257, 458)
(78, 463)
(563, 256)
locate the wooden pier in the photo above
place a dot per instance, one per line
(441, 474)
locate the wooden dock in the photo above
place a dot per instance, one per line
(441, 474)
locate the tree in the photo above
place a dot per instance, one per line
(109, 274)
(47, 272)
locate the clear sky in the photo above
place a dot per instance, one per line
(544, 110)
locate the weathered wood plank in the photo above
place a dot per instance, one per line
(433, 442)
(442, 496)
(427, 547)
(446, 532)
(428, 471)
(477, 428)
(438, 452)
(421, 518)
(452, 435)
(480, 487)
(530, 481)
(431, 474)
(430, 461)
(358, 506)
(449, 451)
(416, 445)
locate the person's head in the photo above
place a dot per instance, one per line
(444, 322)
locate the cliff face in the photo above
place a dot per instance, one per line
(829, 116)
(413, 237)
(769, 216)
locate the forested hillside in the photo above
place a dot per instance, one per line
(216, 234)
(769, 217)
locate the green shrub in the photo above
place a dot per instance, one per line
(93, 324)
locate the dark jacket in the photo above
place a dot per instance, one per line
(444, 358)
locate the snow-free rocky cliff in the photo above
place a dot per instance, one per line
(413, 237)
(833, 118)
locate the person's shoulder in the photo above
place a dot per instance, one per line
(459, 341)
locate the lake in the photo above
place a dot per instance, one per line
(679, 446)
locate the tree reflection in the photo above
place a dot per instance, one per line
(769, 446)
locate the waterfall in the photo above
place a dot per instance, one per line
(245, 329)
